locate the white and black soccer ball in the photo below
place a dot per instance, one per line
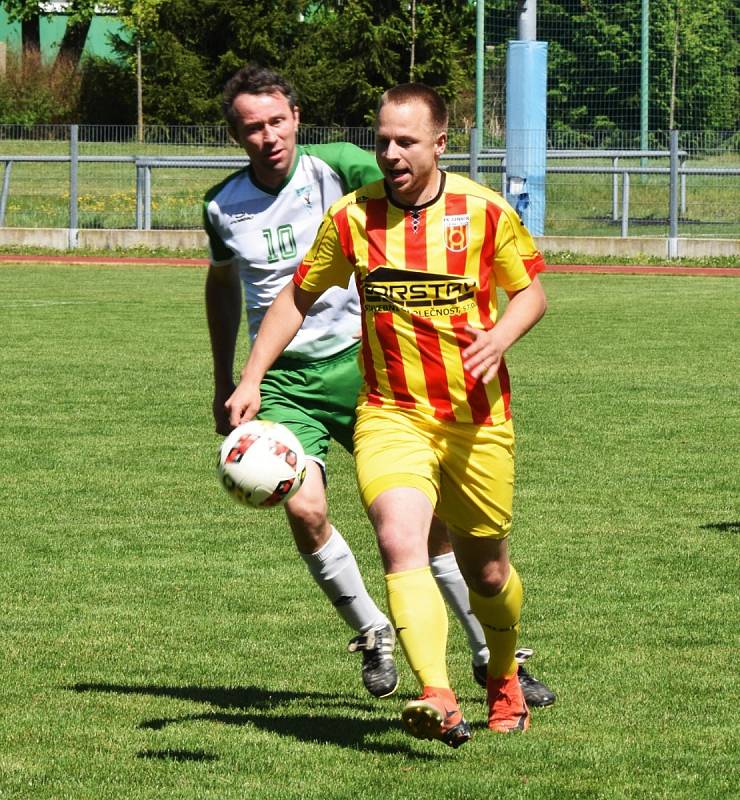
(261, 464)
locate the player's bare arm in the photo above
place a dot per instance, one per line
(223, 311)
(281, 323)
(525, 308)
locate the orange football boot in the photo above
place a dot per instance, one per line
(436, 715)
(507, 709)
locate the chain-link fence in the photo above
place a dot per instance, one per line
(617, 67)
(102, 177)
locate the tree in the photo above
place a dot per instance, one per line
(594, 62)
(349, 53)
(79, 16)
(75, 34)
(695, 55)
(352, 50)
(445, 53)
(195, 46)
(140, 17)
(29, 15)
(340, 54)
(107, 92)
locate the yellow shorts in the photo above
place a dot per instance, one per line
(466, 470)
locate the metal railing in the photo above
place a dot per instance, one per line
(487, 162)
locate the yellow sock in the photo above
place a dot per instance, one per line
(420, 618)
(499, 615)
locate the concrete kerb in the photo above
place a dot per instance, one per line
(195, 240)
(104, 239)
(634, 247)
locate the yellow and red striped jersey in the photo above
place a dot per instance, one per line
(423, 274)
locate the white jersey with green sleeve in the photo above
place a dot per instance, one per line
(266, 234)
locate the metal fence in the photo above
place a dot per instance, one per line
(80, 177)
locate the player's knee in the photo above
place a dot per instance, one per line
(490, 579)
(308, 520)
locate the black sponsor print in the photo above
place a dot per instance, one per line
(386, 288)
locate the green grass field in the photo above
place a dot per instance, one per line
(161, 642)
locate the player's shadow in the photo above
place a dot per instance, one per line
(177, 755)
(270, 711)
(722, 527)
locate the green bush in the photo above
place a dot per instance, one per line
(35, 93)
(107, 93)
(177, 86)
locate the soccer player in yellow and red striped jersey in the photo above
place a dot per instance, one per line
(427, 279)
(434, 432)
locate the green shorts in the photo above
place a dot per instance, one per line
(315, 399)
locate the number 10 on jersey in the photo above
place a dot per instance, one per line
(285, 241)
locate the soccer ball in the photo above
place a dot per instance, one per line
(261, 464)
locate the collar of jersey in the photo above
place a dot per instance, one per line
(276, 191)
(442, 179)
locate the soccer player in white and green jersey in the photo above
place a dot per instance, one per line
(260, 223)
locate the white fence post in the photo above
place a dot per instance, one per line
(74, 155)
(673, 199)
(6, 189)
(625, 204)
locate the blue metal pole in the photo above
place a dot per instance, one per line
(526, 120)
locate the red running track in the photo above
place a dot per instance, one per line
(605, 269)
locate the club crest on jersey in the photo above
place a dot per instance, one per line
(456, 232)
(304, 192)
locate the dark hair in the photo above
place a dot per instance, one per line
(408, 92)
(251, 79)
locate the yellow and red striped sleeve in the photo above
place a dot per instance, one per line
(326, 264)
(514, 248)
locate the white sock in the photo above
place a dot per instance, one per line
(335, 570)
(455, 591)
